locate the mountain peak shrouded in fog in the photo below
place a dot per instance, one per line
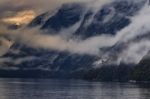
(76, 36)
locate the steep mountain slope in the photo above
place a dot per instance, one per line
(78, 20)
(110, 18)
(142, 70)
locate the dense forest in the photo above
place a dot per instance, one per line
(123, 73)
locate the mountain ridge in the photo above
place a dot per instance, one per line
(109, 19)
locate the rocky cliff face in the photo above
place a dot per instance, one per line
(79, 21)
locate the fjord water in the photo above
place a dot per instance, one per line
(70, 89)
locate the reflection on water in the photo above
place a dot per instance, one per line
(70, 89)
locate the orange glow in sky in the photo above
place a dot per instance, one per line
(21, 18)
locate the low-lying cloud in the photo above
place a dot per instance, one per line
(132, 53)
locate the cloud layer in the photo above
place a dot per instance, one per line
(132, 53)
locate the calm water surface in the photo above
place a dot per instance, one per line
(70, 89)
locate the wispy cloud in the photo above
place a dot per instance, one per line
(132, 53)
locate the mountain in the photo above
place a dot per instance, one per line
(110, 18)
(82, 22)
(142, 70)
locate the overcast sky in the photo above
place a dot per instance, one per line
(10, 6)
